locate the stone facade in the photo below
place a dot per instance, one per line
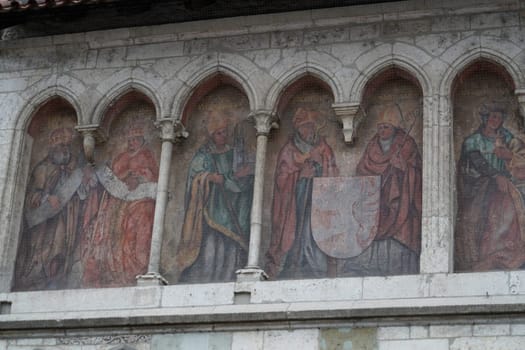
(345, 49)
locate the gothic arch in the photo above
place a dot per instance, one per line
(121, 90)
(490, 56)
(306, 71)
(209, 75)
(37, 101)
(386, 63)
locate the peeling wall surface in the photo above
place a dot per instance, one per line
(343, 178)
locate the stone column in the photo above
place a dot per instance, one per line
(264, 122)
(171, 131)
(437, 238)
(348, 114)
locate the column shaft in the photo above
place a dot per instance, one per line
(160, 206)
(256, 213)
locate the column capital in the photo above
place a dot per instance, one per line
(348, 115)
(92, 134)
(171, 130)
(265, 120)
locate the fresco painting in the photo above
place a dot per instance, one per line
(304, 156)
(393, 155)
(362, 235)
(56, 197)
(88, 226)
(218, 192)
(490, 225)
(97, 220)
(345, 214)
(116, 242)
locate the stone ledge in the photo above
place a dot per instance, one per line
(257, 316)
(425, 288)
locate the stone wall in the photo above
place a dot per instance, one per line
(344, 48)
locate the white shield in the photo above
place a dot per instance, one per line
(345, 214)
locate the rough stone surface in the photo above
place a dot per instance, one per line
(434, 344)
(348, 339)
(306, 339)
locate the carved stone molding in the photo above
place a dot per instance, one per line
(264, 121)
(251, 274)
(171, 130)
(348, 115)
(105, 340)
(151, 279)
(91, 134)
(520, 94)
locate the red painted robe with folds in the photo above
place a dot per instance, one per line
(290, 168)
(401, 199)
(116, 248)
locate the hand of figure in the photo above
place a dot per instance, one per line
(132, 182)
(503, 183)
(216, 178)
(308, 170)
(243, 171)
(35, 200)
(301, 157)
(54, 202)
(399, 162)
(503, 153)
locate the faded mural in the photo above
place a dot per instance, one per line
(346, 211)
(304, 156)
(213, 232)
(332, 210)
(85, 225)
(490, 225)
(56, 198)
(116, 242)
(392, 154)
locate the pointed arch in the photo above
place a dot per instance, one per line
(507, 67)
(122, 89)
(409, 69)
(39, 100)
(305, 73)
(205, 80)
(205, 86)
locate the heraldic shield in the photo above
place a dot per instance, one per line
(345, 214)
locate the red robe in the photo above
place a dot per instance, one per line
(401, 191)
(289, 169)
(117, 249)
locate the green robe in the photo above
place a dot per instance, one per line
(223, 237)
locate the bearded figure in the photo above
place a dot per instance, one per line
(56, 193)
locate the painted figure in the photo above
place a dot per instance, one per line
(490, 227)
(392, 154)
(214, 239)
(115, 248)
(56, 194)
(305, 155)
